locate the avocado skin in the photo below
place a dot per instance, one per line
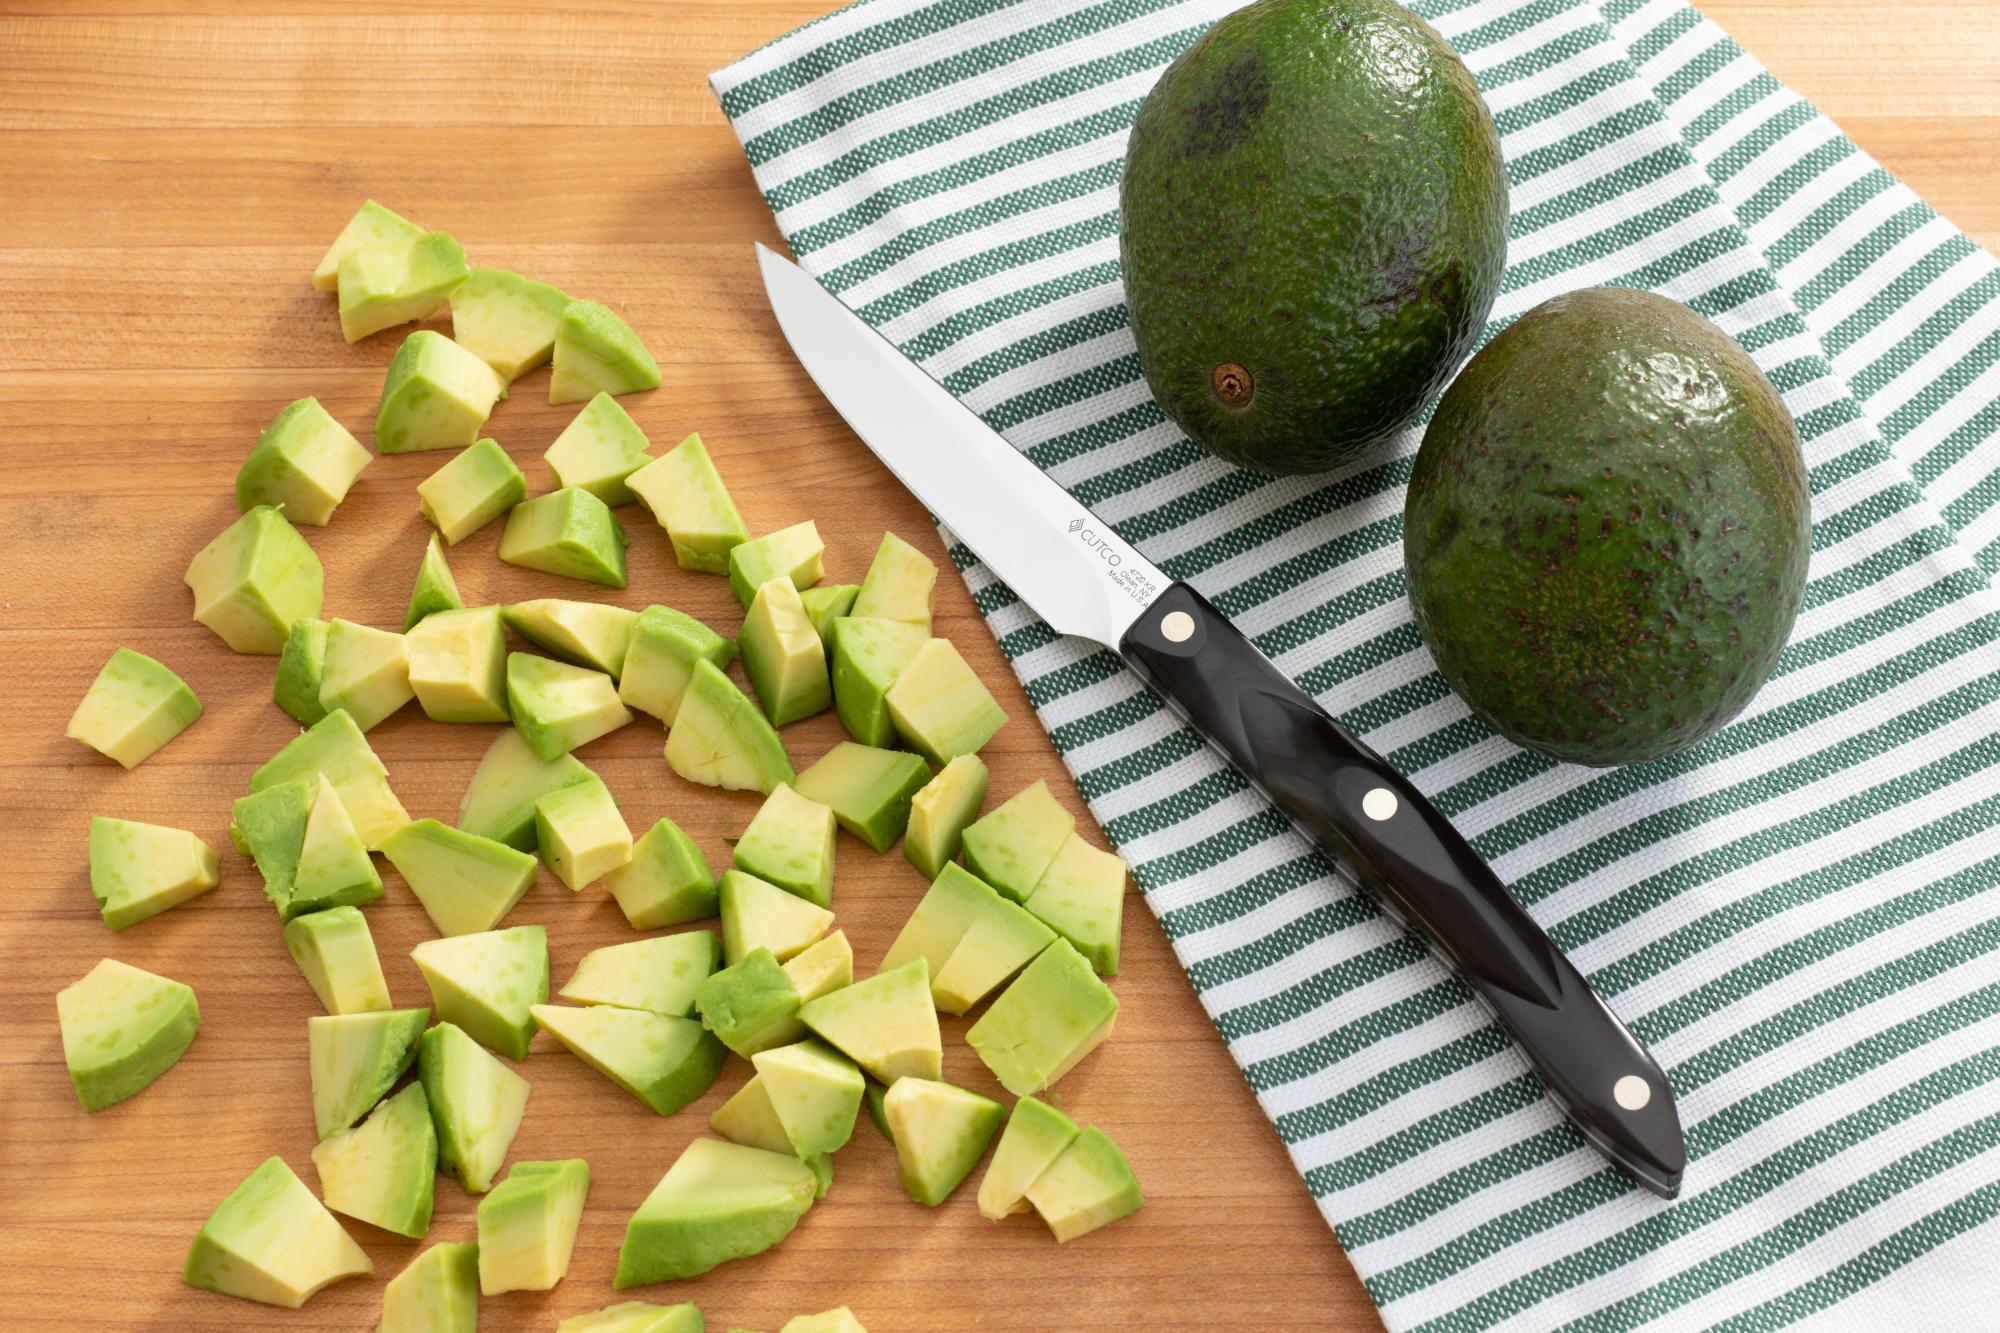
(1313, 192)
(1607, 529)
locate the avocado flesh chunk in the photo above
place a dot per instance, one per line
(382, 286)
(367, 672)
(1013, 845)
(1345, 147)
(749, 1118)
(783, 655)
(885, 1024)
(271, 1241)
(868, 789)
(557, 707)
(815, 1091)
(636, 1317)
(760, 915)
(270, 828)
(140, 870)
(941, 812)
(588, 634)
(719, 739)
(334, 869)
(458, 665)
(133, 707)
(121, 1029)
(823, 968)
(474, 488)
(790, 843)
(826, 603)
(901, 584)
(1001, 941)
(301, 664)
(1090, 1186)
(436, 396)
(658, 975)
(717, 1202)
(940, 707)
(568, 532)
(868, 656)
(666, 882)
(383, 1171)
(1035, 1136)
(371, 227)
(435, 589)
(1049, 1018)
(659, 661)
(486, 983)
(598, 450)
(837, 1320)
(466, 883)
(476, 1105)
(437, 1293)
(527, 1225)
(499, 803)
(506, 320)
(940, 1133)
(955, 899)
(665, 1062)
(355, 1058)
(335, 746)
(597, 352)
(1650, 576)
(751, 1005)
(686, 495)
(254, 580)
(336, 953)
(580, 833)
(795, 554)
(1081, 896)
(304, 463)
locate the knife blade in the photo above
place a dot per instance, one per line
(1084, 580)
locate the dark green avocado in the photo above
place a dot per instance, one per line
(1607, 529)
(1313, 227)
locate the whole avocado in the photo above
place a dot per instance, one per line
(1607, 529)
(1313, 227)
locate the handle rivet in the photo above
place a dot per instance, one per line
(1379, 804)
(1632, 1092)
(1177, 627)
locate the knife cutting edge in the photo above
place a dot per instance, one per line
(1379, 830)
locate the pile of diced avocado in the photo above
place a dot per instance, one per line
(1029, 921)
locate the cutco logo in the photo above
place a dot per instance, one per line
(1093, 541)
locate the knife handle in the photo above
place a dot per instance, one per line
(1394, 843)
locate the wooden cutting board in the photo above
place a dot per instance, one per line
(170, 170)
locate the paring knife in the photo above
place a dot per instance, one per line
(1086, 581)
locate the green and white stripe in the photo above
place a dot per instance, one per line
(1798, 915)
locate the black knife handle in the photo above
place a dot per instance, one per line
(1394, 843)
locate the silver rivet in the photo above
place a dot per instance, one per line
(1379, 803)
(1177, 627)
(1632, 1092)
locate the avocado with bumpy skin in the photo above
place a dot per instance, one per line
(1607, 529)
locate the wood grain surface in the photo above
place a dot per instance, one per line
(170, 170)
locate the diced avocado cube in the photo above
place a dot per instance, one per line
(1081, 896)
(336, 952)
(665, 645)
(658, 975)
(872, 1099)
(901, 584)
(557, 707)
(506, 320)
(760, 915)
(790, 844)
(598, 450)
(869, 789)
(665, 1062)
(1048, 1019)
(816, 1092)
(750, 1005)
(301, 664)
(269, 827)
(435, 589)
(272, 1241)
(303, 463)
(940, 707)
(868, 656)
(795, 553)
(588, 634)
(837, 1320)
(473, 489)
(718, 1201)
(686, 495)
(382, 286)
(955, 899)
(527, 1225)
(335, 746)
(334, 868)
(825, 967)
(783, 656)
(568, 532)
(133, 707)
(826, 603)
(749, 1118)
(486, 983)
(1090, 1186)
(367, 672)
(476, 1105)
(458, 665)
(597, 352)
(371, 227)
(437, 1293)
(1012, 846)
(1001, 941)
(941, 812)
(500, 801)
(436, 396)
(666, 882)
(885, 1024)
(636, 1317)
(1035, 1136)
(720, 739)
(356, 1058)
(940, 1132)
(466, 883)
(121, 1029)
(254, 580)
(140, 870)
(384, 1170)
(580, 833)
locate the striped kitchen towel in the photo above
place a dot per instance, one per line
(1799, 915)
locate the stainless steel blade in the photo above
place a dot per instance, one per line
(1079, 575)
